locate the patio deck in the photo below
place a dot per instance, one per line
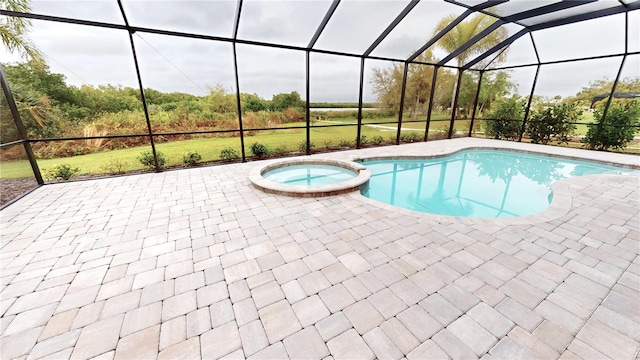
(198, 263)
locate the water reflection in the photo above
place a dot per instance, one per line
(543, 171)
(475, 183)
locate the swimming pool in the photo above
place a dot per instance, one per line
(475, 183)
(309, 174)
(309, 177)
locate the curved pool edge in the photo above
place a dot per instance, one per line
(561, 205)
(351, 185)
(360, 159)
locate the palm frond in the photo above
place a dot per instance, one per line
(13, 32)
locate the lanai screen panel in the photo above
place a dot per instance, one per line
(8, 127)
(388, 76)
(629, 83)
(334, 79)
(189, 87)
(417, 96)
(597, 37)
(631, 70)
(634, 31)
(355, 25)
(94, 60)
(185, 65)
(441, 109)
(501, 33)
(466, 97)
(213, 18)
(415, 29)
(272, 74)
(281, 22)
(567, 79)
(521, 81)
(520, 52)
(102, 11)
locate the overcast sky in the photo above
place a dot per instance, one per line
(88, 55)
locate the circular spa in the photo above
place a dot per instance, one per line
(309, 177)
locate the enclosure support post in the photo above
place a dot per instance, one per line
(360, 94)
(239, 104)
(592, 145)
(22, 132)
(455, 103)
(307, 113)
(236, 25)
(144, 104)
(402, 91)
(142, 96)
(528, 108)
(475, 102)
(430, 107)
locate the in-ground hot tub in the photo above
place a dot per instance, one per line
(309, 177)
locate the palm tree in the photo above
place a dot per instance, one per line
(39, 116)
(465, 31)
(13, 32)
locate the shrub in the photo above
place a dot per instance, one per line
(259, 149)
(60, 172)
(445, 132)
(79, 150)
(281, 149)
(327, 143)
(302, 146)
(552, 123)
(377, 140)
(618, 128)
(363, 140)
(345, 143)
(114, 166)
(51, 150)
(146, 159)
(274, 118)
(409, 137)
(293, 115)
(505, 120)
(257, 120)
(191, 157)
(229, 153)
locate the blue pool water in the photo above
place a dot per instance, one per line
(475, 183)
(309, 174)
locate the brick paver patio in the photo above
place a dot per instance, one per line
(199, 264)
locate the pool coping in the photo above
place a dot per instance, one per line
(524, 151)
(258, 181)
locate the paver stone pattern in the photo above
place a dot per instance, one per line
(197, 263)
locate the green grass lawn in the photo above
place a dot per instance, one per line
(113, 161)
(586, 117)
